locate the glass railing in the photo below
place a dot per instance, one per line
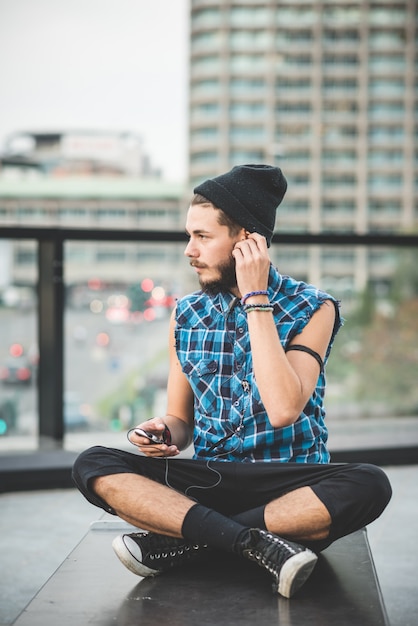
(84, 333)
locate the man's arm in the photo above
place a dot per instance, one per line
(285, 381)
(179, 416)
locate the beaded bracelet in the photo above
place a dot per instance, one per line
(263, 292)
(258, 307)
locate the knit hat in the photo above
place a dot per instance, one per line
(249, 194)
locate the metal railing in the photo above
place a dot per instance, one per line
(50, 290)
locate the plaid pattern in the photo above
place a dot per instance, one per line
(213, 347)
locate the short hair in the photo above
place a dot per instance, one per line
(223, 219)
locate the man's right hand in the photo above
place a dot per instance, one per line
(154, 427)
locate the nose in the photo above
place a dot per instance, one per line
(190, 250)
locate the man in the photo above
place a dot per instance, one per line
(246, 385)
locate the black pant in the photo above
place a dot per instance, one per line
(354, 494)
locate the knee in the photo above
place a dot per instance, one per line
(379, 488)
(86, 459)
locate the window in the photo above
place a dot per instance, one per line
(386, 62)
(249, 16)
(388, 109)
(386, 15)
(338, 256)
(206, 109)
(248, 62)
(205, 133)
(249, 39)
(339, 180)
(339, 206)
(293, 206)
(296, 15)
(247, 110)
(205, 40)
(385, 157)
(247, 133)
(339, 157)
(391, 207)
(204, 157)
(295, 61)
(387, 86)
(293, 107)
(206, 64)
(344, 106)
(333, 135)
(297, 37)
(207, 17)
(339, 84)
(245, 156)
(346, 60)
(110, 255)
(383, 181)
(337, 36)
(247, 86)
(379, 39)
(385, 134)
(286, 83)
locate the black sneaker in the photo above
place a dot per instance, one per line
(289, 563)
(149, 554)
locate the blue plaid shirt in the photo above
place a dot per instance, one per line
(213, 346)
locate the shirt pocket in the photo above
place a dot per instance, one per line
(203, 378)
(200, 368)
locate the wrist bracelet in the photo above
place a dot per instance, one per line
(262, 292)
(258, 307)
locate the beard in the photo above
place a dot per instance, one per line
(226, 281)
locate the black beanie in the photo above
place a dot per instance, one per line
(249, 194)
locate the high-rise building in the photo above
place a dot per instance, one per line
(328, 91)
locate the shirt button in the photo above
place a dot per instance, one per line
(236, 403)
(240, 330)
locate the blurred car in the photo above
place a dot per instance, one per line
(75, 413)
(17, 371)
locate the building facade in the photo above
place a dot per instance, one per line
(329, 92)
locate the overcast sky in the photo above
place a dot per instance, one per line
(100, 64)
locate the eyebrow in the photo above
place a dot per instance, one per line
(198, 231)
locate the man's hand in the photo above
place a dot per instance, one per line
(252, 263)
(155, 426)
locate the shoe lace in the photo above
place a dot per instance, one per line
(271, 552)
(164, 547)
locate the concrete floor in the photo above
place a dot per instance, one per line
(40, 528)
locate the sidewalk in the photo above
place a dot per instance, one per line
(40, 528)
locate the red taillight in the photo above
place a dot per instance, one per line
(23, 373)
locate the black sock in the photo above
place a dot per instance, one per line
(204, 526)
(254, 518)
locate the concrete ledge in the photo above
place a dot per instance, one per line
(92, 587)
(36, 470)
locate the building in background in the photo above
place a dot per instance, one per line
(86, 179)
(94, 203)
(75, 153)
(328, 91)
